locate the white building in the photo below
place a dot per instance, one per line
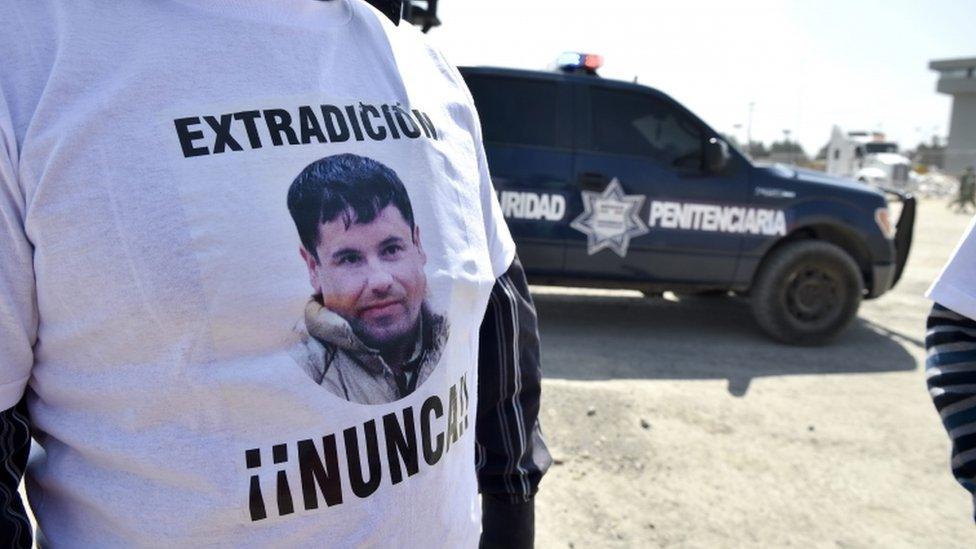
(957, 78)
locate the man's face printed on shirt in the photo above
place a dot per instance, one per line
(372, 275)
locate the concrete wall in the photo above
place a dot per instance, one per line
(961, 149)
(957, 77)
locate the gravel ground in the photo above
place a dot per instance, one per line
(676, 423)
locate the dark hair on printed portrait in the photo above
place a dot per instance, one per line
(347, 186)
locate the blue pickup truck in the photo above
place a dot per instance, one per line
(614, 184)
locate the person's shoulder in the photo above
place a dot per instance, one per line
(416, 53)
(341, 373)
(308, 352)
(433, 52)
(409, 44)
(29, 42)
(29, 23)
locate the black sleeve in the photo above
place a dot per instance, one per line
(950, 369)
(511, 454)
(15, 528)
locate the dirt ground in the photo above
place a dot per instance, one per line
(676, 423)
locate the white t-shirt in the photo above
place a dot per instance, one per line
(955, 287)
(154, 288)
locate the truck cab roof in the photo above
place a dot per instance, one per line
(584, 79)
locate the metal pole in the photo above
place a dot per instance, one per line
(786, 143)
(749, 130)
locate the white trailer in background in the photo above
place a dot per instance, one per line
(868, 158)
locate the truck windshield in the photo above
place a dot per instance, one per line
(871, 148)
(734, 145)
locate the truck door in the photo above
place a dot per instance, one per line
(645, 207)
(528, 138)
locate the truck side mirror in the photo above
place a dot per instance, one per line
(716, 155)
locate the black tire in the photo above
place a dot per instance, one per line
(806, 292)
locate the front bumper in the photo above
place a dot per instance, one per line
(886, 275)
(882, 279)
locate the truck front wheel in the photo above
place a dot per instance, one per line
(806, 292)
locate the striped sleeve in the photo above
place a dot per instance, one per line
(950, 370)
(15, 528)
(511, 454)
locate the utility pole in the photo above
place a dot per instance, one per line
(749, 130)
(786, 143)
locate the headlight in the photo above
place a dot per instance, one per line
(882, 216)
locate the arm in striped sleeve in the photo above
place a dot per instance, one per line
(511, 454)
(950, 370)
(15, 528)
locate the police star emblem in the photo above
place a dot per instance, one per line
(610, 219)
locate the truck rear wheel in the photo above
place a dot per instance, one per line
(807, 292)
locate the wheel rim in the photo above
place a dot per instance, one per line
(813, 294)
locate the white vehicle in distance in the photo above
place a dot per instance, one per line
(868, 158)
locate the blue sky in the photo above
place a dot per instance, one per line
(805, 65)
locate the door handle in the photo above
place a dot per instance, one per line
(590, 181)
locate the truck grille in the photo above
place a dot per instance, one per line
(900, 173)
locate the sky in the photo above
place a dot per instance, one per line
(805, 65)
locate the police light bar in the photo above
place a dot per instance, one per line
(579, 62)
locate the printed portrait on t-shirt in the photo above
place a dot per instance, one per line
(367, 334)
